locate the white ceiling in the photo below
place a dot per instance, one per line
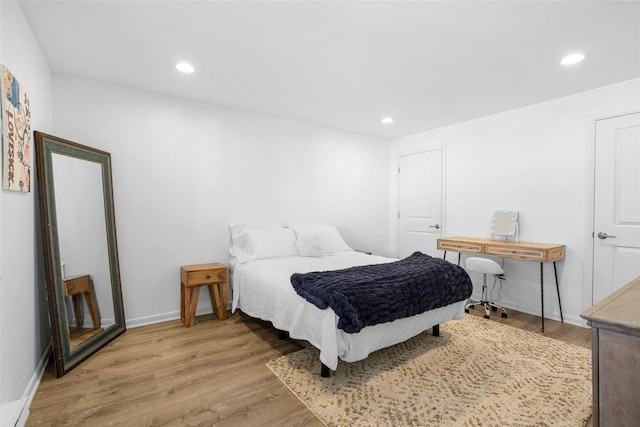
(346, 64)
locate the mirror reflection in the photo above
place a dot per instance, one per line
(82, 238)
(80, 248)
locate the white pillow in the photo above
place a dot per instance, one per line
(318, 240)
(236, 230)
(309, 245)
(265, 243)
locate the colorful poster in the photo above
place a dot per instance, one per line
(16, 131)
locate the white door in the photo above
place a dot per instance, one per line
(616, 242)
(420, 202)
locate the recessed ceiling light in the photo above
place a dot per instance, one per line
(573, 58)
(185, 67)
(387, 120)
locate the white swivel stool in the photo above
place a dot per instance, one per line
(485, 266)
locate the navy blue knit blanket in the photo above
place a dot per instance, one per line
(371, 294)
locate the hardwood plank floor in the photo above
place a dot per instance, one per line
(211, 374)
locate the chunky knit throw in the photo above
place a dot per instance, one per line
(367, 295)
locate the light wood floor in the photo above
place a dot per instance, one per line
(211, 374)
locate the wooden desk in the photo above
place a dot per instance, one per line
(526, 251)
(615, 344)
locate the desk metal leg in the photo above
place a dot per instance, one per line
(459, 256)
(542, 294)
(555, 271)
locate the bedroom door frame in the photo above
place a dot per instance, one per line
(590, 171)
(395, 206)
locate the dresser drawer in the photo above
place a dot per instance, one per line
(516, 253)
(530, 253)
(459, 247)
(208, 276)
(198, 275)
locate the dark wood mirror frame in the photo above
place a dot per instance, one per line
(66, 357)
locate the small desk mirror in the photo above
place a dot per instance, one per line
(505, 223)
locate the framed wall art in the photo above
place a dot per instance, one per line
(16, 134)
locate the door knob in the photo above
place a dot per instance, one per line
(603, 236)
(437, 226)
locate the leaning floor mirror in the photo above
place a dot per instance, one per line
(80, 248)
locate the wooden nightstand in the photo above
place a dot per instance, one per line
(191, 278)
(77, 286)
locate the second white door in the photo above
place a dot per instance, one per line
(616, 234)
(420, 202)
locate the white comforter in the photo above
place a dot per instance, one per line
(262, 289)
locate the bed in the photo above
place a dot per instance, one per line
(263, 259)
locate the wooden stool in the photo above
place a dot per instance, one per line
(191, 278)
(77, 286)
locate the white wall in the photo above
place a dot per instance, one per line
(24, 328)
(533, 160)
(184, 170)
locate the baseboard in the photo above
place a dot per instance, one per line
(150, 320)
(164, 317)
(22, 409)
(10, 413)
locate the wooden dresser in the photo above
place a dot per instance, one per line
(615, 323)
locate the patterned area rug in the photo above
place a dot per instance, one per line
(477, 373)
